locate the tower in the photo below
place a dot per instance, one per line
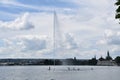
(94, 56)
(108, 54)
(74, 58)
(108, 57)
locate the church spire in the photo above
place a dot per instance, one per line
(94, 57)
(108, 54)
(108, 57)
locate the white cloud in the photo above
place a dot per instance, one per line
(87, 22)
(33, 43)
(26, 46)
(15, 3)
(7, 1)
(111, 41)
(113, 37)
(70, 42)
(36, 45)
(20, 23)
(27, 43)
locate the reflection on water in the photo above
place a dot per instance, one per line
(59, 73)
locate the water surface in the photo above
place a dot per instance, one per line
(59, 73)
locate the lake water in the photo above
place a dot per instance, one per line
(59, 73)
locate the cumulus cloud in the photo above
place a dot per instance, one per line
(26, 46)
(70, 42)
(112, 37)
(32, 45)
(111, 41)
(20, 23)
(87, 22)
(28, 43)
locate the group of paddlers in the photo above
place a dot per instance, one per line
(71, 69)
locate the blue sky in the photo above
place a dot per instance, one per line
(86, 28)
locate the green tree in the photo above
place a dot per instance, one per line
(93, 61)
(117, 60)
(48, 62)
(117, 16)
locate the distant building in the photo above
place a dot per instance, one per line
(107, 61)
(108, 57)
(101, 59)
(74, 58)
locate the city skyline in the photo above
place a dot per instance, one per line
(88, 27)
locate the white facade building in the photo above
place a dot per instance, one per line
(106, 62)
